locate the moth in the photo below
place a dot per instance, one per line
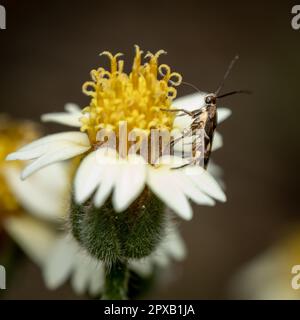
(204, 123)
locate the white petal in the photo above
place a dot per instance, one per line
(97, 277)
(72, 108)
(60, 262)
(79, 138)
(33, 236)
(48, 148)
(107, 184)
(61, 151)
(217, 172)
(70, 118)
(107, 164)
(218, 141)
(223, 114)
(182, 122)
(87, 178)
(161, 259)
(168, 161)
(43, 194)
(190, 189)
(142, 267)
(205, 182)
(88, 275)
(129, 183)
(161, 183)
(190, 102)
(175, 246)
(172, 244)
(81, 274)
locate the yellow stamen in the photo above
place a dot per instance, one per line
(137, 97)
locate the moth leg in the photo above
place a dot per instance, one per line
(178, 110)
(183, 166)
(192, 162)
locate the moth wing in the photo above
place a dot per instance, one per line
(190, 146)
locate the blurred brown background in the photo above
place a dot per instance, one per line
(50, 46)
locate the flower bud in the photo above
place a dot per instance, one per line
(111, 236)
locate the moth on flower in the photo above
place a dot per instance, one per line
(199, 133)
(137, 99)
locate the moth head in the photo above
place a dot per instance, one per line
(210, 99)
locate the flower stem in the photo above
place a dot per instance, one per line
(116, 281)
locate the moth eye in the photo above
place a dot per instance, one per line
(208, 100)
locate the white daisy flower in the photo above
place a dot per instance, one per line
(33, 213)
(27, 207)
(136, 99)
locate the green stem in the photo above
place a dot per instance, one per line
(116, 281)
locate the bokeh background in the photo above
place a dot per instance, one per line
(50, 46)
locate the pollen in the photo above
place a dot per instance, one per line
(13, 135)
(136, 98)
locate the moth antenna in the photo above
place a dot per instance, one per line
(192, 86)
(234, 92)
(227, 74)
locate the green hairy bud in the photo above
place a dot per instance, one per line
(115, 237)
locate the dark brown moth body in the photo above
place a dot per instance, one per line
(210, 122)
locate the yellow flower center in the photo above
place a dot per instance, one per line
(12, 136)
(136, 98)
